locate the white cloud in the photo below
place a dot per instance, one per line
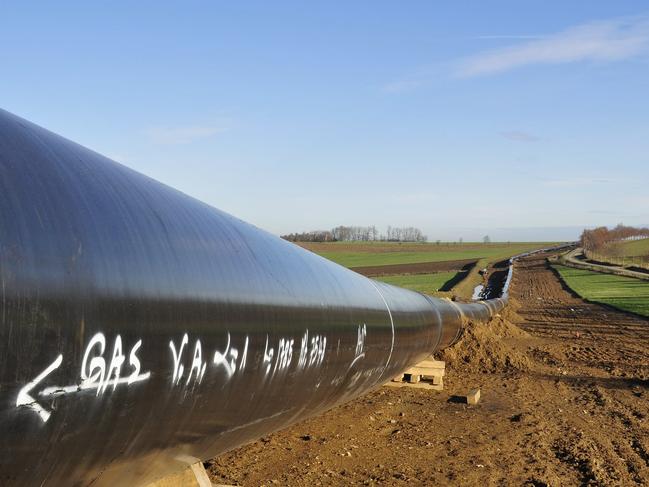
(604, 41)
(402, 86)
(182, 135)
(416, 79)
(506, 36)
(573, 182)
(519, 136)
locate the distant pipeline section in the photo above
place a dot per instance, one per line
(142, 330)
(499, 282)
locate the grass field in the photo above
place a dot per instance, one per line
(625, 293)
(626, 253)
(635, 248)
(424, 283)
(358, 254)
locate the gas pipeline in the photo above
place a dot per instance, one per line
(142, 330)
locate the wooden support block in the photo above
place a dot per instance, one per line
(414, 378)
(198, 469)
(431, 376)
(428, 374)
(192, 476)
(428, 368)
(420, 385)
(473, 397)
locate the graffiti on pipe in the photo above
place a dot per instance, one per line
(105, 366)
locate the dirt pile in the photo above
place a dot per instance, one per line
(488, 347)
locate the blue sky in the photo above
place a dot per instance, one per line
(516, 119)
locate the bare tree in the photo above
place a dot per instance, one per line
(344, 233)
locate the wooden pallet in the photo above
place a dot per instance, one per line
(192, 476)
(428, 374)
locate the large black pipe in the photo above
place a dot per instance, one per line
(142, 330)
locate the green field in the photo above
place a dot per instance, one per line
(424, 283)
(626, 253)
(635, 248)
(359, 254)
(625, 293)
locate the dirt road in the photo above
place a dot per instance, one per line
(565, 389)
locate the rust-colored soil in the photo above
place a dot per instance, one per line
(565, 401)
(417, 268)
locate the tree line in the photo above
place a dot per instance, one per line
(597, 239)
(359, 234)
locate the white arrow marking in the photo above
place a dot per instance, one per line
(24, 399)
(60, 390)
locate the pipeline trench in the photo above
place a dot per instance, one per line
(565, 389)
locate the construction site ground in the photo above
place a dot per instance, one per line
(564, 401)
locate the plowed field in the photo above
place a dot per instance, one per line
(417, 268)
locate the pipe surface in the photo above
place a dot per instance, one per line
(142, 330)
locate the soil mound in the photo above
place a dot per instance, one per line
(488, 347)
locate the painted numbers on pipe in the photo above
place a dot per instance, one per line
(108, 364)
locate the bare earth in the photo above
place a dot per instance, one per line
(416, 268)
(565, 389)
